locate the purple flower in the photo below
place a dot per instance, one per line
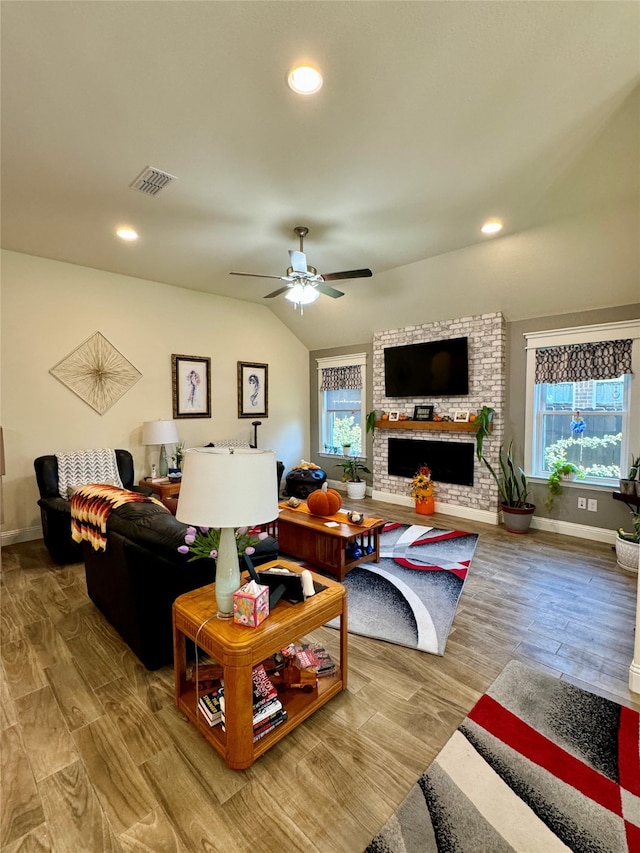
(242, 530)
(190, 539)
(213, 554)
(204, 530)
(191, 531)
(250, 550)
(263, 535)
(183, 549)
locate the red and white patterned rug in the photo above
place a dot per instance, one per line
(538, 765)
(410, 597)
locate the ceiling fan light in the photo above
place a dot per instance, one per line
(304, 80)
(302, 294)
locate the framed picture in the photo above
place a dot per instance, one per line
(394, 416)
(191, 381)
(461, 417)
(253, 390)
(423, 413)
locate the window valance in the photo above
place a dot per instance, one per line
(582, 362)
(336, 378)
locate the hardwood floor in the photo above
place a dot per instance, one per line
(95, 757)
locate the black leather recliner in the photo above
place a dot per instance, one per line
(56, 511)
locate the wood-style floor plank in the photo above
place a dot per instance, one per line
(115, 768)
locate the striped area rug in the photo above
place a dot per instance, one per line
(538, 766)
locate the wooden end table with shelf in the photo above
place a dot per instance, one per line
(238, 649)
(163, 490)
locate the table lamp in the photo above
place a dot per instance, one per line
(228, 488)
(160, 432)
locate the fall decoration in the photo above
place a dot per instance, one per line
(324, 501)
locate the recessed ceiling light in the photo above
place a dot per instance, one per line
(491, 227)
(304, 80)
(127, 234)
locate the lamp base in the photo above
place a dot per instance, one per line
(163, 467)
(227, 573)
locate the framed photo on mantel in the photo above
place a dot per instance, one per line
(423, 413)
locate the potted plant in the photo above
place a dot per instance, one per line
(356, 486)
(346, 449)
(513, 487)
(631, 485)
(370, 422)
(482, 423)
(560, 468)
(628, 545)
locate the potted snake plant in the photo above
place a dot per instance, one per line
(513, 488)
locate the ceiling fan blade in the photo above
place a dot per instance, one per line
(328, 291)
(336, 276)
(260, 275)
(277, 292)
(298, 261)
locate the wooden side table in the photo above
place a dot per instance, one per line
(163, 490)
(238, 648)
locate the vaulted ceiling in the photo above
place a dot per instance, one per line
(433, 117)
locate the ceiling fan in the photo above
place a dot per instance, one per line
(303, 283)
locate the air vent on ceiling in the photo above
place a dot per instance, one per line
(150, 181)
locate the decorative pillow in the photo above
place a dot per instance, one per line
(229, 442)
(85, 467)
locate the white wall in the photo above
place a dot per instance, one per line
(49, 308)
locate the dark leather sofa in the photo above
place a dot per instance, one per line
(136, 579)
(55, 511)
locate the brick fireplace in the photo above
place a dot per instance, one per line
(476, 492)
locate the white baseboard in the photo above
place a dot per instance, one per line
(27, 534)
(580, 531)
(550, 525)
(634, 677)
(446, 509)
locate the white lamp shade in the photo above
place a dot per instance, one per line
(228, 487)
(159, 432)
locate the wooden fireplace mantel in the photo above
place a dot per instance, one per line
(442, 426)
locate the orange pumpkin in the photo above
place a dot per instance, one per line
(324, 501)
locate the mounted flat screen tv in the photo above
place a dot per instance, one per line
(429, 369)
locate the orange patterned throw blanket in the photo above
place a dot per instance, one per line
(91, 507)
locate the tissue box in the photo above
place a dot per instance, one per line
(251, 604)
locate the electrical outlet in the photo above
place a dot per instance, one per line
(592, 505)
(582, 503)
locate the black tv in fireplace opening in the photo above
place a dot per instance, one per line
(450, 461)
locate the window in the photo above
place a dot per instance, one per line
(593, 420)
(341, 403)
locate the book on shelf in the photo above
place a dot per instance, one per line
(265, 712)
(311, 656)
(263, 730)
(264, 689)
(210, 708)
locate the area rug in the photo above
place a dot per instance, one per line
(410, 597)
(537, 766)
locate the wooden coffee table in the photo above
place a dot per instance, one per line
(309, 538)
